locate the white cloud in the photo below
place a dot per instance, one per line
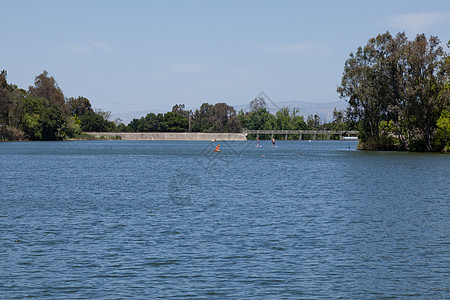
(418, 22)
(182, 69)
(100, 45)
(305, 48)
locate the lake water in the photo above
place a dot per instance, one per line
(150, 219)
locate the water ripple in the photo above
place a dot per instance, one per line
(96, 220)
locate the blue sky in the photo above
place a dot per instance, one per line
(149, 55)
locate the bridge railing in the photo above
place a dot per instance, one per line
(343, 134)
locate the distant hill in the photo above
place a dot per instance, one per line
(323, 109)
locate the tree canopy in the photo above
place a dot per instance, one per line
(403, 83)
(43, 113)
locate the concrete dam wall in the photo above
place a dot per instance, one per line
(170, 136)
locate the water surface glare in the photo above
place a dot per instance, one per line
(146, 220)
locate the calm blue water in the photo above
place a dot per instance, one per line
(126, 219)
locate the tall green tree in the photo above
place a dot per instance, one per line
(52, 122)
(257, 104)
(313, 121)
(42, 120)
(175, 122)
(442, 141)
(370, 82)
(181, 109)
(224, 118)
(4, 98)
(261, 119)
(289, 119)
(219, 117)
(46, 87)
(283, 117)
(395, 81)
(95, 122)
(202, 118)
(79, 106)
(424, 84)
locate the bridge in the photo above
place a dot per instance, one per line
(343, 135)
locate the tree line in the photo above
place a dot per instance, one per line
(221, 117)
(398, 93)
(43, 113)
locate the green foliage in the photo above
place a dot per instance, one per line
(46, 87)
(257, 104)
(32, 126)
(171, 122)
(4, 98)
(79, 106)
(123, 128)
(202, 118)
(262, 119)
(52, 123)
(94, 122)
(209, 118)
(340, 122)
(41, 113)
(224, 119)
(396, 87)
(73, 126)
(442, 138)
(219, 117)
(387, 127)
(314, 121)
(10, 133)
(175, 122)
(41, 120)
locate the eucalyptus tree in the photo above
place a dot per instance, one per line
(258, 103)
(283, 118)
(201, 119)
(4, 98)
(47, 88)
(79, 106)
(399, 82)
(425, 82)
(372, 82)
(313, 121)
(224, 118)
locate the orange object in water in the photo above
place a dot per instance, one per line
(217, 148)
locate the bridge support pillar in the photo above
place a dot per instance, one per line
(314, 137)
(300, 137)
(285, 137)
(328, 137)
